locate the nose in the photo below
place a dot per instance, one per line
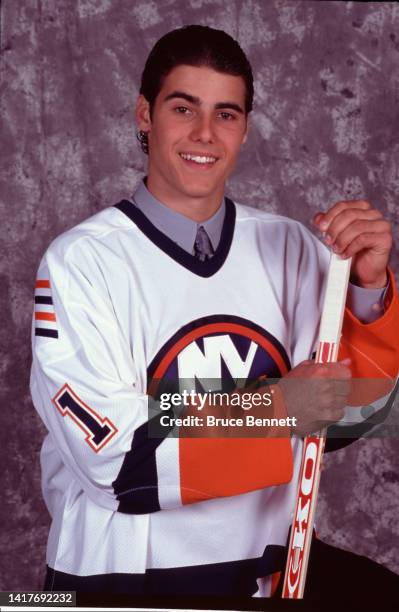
(203, 129)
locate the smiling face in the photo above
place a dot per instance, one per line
(197, 127)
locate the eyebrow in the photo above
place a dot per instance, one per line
(197, 102)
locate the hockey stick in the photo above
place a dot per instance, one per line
(309, 474)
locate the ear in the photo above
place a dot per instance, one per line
(143, 118)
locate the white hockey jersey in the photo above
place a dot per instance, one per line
(117, 303)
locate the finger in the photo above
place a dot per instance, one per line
(307, 362)
(341, 390)
(337, 415)
(334, 412)
(324, 219)
(346, 219)
(380, 228)
(380, 243)
(343, 371)
(333, 400)
(302, 370)
(338, 386)
(335, 370)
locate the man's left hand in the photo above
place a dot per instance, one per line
(355, 229)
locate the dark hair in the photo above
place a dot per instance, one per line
(193, 45)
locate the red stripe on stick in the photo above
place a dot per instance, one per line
(325, 352)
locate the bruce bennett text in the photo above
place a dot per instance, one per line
(212, 421)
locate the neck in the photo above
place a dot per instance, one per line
(197, 208)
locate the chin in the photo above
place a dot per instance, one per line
(199, 189)
(198, 193)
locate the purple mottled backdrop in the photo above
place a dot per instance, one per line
(325, 127)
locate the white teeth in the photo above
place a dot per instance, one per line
(198, 158)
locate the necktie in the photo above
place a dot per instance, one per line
(203, 248)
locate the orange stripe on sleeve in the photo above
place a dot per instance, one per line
(45, 316)
(42, 284)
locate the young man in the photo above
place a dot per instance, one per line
(180, 283)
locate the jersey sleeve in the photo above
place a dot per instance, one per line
(372, 347)
(374, 352)
(86, 388)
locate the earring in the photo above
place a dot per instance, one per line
(142, 136)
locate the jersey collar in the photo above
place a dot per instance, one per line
(201, 268)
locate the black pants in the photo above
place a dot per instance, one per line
(340, 580)
(337, 580)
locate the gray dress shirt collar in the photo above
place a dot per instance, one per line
(366, 304)
(177, 227)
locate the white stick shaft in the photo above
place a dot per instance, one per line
(309, 475)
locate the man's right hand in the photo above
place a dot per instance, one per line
(316, 394)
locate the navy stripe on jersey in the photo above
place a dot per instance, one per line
(136, 486)
(201, 268)
(232, 578)
(47, 333)
(43, 299)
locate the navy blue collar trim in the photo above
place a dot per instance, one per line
(201, 268)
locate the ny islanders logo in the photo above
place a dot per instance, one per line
(215, 353)
(212, 353)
